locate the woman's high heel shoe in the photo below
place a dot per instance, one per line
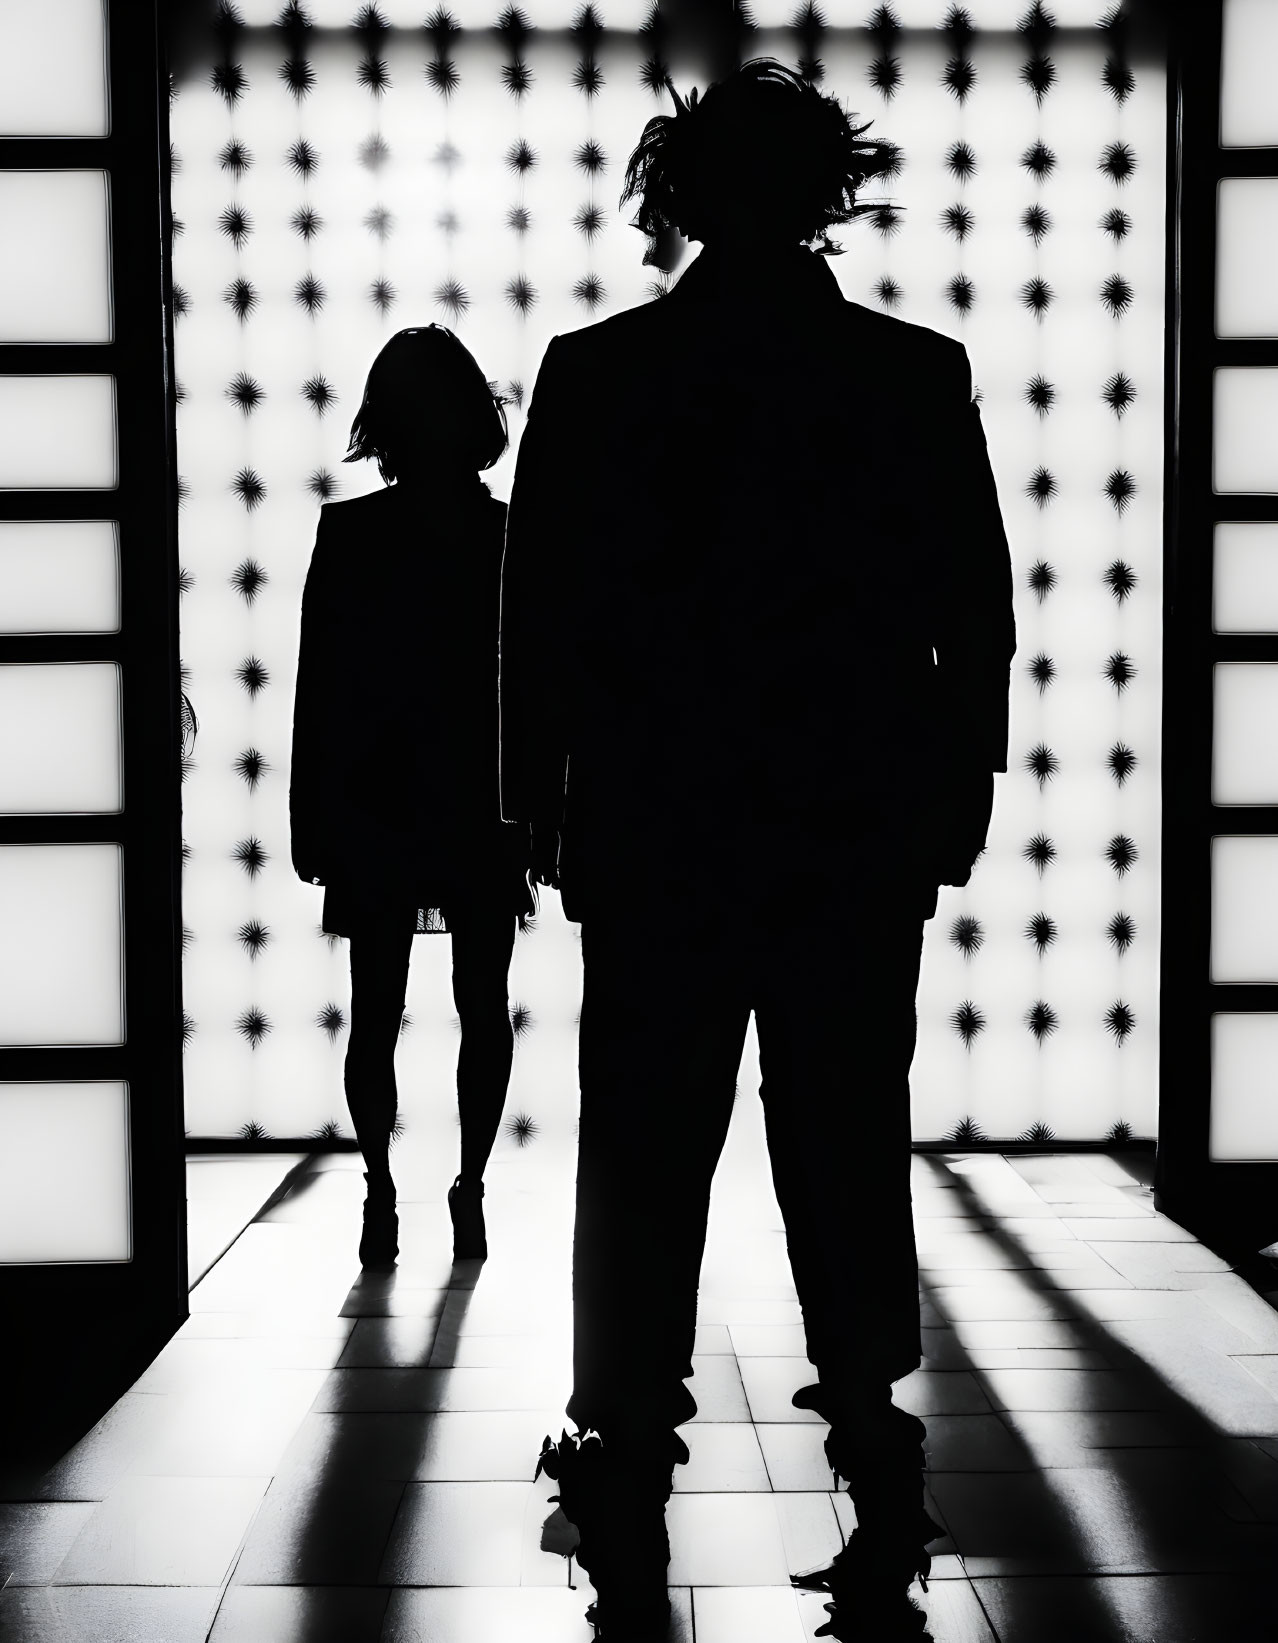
(466, 1206)
(379, 1243)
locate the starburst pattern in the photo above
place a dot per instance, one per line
(1041, 578)
(1039, 161)
(1120, 487)
(1118, 79)
(588, 77)
(374, 152)
(589, 220)
(1117, 224)
(517, 77)
(228, 80)
(298, 75)
(321, 484)
(307, 222)
(253, 676)
(520, 294)
(1119, 670)
(967, 934)
(1121, 761)
(515, 392)
(966, 1132)
(1119, 1020)
(236, 224)
(1037, 222)
(1037, 295)
(234, 158)
(967, 1021)
(1041, 1019)
(332, 1020)
(519, 218)
(589, 291)
(1121, 930)
(521, 157)
(590, 158)
(1042, 486)
(884, 219)
(1042, 931)
(253, 937)
(250, 767)
(888, 292)
(253, 1026)
(1117, 295)
(448, 222)
(185, 579)
(308, 293)
(1042, 763)
(522, 1129)
(1039, 74)
(319, 394)
(1042, 669)
(189, 1028)
(451, 295)
(521, 1020)
(1121, 853)
(958, 220)
(245, 391)
(301, 158)
(884, 74)
(379, 221)
(1121, 579)
(250, 855)
(241, 297)
(373, 74)
(1041, 394)
(960, 161)
(1037, 1134)
(1120, 1133)
(958, 77)
(960, 293)
(1117, 161)
(1118, 393)
(248, 486)
(443, 75)
(382, 295)
(181, 301)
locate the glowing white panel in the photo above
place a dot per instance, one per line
(61, 946)
(1244, 764)
(1245, 429)
(1246, 249)
(1244, 1087)
(53, 69)
(59, 576)
(64, 1173)
(1244, 894)
(1245, 578)
(57, 433)
(1248, 49)
(60, 745)
(55, 258)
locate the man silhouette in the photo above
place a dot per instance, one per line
(756, 637)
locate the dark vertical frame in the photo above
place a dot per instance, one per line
(131, 1306)
(1233, 1203)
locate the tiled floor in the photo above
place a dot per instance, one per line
(329, 1457)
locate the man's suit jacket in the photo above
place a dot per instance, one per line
(756, 594)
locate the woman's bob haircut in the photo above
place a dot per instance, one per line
(426, 404)
(764, 148)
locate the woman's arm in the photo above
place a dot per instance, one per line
(311, 799)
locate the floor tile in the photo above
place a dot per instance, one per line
(1128, 1609)
(459, 1534)
(722, 1457)
(528, 1614)
(36, 1535)
(1070, 1389)
(389, 1391)
(794, 1454)
(748, 1614)
(485, 1446)
(1066, 1437)
(1036, 1357)
(785, 1341)
(973, 1443)
(319, 1530)
(716, 1385)
(358, 1446)
(106, 1614)
(389, 1343)
(300, 1614)
(163, 1532)
(725, 1540)
(941, 1392)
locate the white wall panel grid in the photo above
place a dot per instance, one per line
(1038, 1007)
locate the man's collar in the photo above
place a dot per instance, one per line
(787, 271)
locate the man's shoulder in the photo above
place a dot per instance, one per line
(892, 332)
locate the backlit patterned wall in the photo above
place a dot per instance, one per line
(339, 175)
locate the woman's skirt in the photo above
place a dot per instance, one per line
(491, 868)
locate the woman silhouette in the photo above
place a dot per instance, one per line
(393, 794)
